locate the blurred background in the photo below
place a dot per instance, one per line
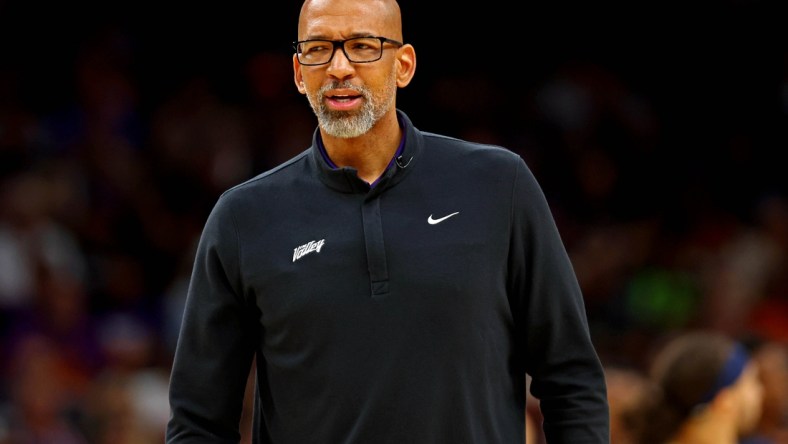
(656, 131)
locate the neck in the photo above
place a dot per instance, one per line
(706, 430)
(369, 153)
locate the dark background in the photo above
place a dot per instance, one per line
(708, 70)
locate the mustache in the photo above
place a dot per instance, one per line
(343, 85)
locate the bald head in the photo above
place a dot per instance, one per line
(318, 18)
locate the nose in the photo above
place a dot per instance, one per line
(339, 66)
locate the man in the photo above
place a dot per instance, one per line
(392, 285)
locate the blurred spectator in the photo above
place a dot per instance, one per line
(127, 402)
(769, 315)
(40, 408)
(625, 387)
(704, 389)
(127, 408)
(772, 359)
(533, 416)
(43, 272)
(59, 315)
(174, 298)
(128, 316)
(109, 416)
(530, 428)
(606, 133)
(740, 275)
(31, 239)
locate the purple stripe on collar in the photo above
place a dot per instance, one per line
(400, 149)
(323, 152)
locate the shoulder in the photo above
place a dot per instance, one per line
(446, 148)
(472, 158)
(273, 178)
(464, 147)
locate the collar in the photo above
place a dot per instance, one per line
(346, 180)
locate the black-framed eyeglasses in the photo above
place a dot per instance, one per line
(357, 50)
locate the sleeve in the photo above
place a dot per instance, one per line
(550, 320)
(216, 344)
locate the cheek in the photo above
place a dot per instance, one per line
(752, 400)
(310, 78)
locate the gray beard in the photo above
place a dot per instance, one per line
(348, 124)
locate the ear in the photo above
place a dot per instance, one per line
(299, 80)
(406, 65)
(726, 402)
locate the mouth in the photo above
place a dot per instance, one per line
(343, 100)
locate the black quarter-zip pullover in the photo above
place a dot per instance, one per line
(407, 312)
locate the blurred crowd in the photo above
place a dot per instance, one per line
(670, 202)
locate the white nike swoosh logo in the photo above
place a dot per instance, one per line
(432, 221)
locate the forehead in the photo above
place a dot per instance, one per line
(345, 18)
